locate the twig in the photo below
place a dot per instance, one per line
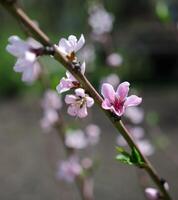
(18, 13)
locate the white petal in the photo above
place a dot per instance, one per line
(80, 43)
(69, 99)
(83, 66)
(90, 101)
(64, 46)
(80, 92)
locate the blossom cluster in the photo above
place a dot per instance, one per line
(69, 169)
(51, 104)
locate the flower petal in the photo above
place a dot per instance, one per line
(108, 92)
(132, 100)
(72, 110)
(83, 66)
(70, 99)
(80, 92)
(89, 101)
(122, 90)
(106, 104)
(64, 46)
(80, 43)
(82, 112)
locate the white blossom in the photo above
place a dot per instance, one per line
(26, 57)
(69, 47)
(100, 20)
(75, 139)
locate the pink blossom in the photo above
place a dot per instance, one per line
(69, 82)
(118, 101)
(75, 139)
(69, 169)
(69, 47)
(100, 20)
(50, 118)
(93, 134)
(26, 57)
(114, 60)
(51, 103)
(51, 100)
(152, 193)
(78, 103)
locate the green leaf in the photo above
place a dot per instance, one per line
(122, 151)
(124, 159)
(136, 157)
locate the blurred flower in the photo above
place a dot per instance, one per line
(137, 132)
(49, 119)
(112, 79)
(93, 134)
(69, 169)
(78, 103)
(145, 147)
(69, 82)
(69, 47)
(152, 193)
(135, 114)
(118, 101)
(88, 53)
(87, 163)
(51, 100)
(100, 20)
(114, 60)
(26, 57)
(75, 139)
(51, 103)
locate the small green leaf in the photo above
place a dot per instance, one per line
(122, 151)
(124, 159)
(136, 157)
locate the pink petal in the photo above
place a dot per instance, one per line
(108, 92)
(80, 92)
(132, 100)
(106, 104)
(82, 112)
(80, 43)
(89, 101)
(122, 90)
(69, 99)
(72, 110)
(119, 112)
(64, 85)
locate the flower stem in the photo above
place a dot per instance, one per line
(18, 13)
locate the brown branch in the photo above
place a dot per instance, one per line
(18, 13)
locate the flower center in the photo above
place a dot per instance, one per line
(118, 104)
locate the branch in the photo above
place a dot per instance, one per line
(19, 14)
